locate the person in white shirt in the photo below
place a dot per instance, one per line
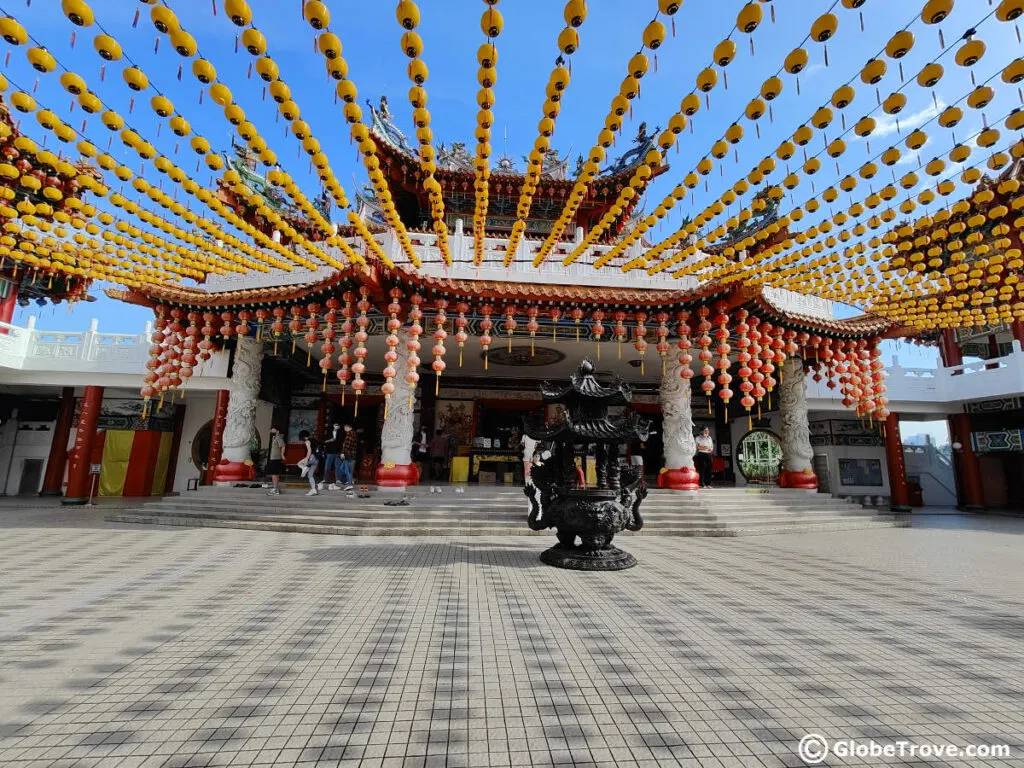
(705, 450)
(529, 446)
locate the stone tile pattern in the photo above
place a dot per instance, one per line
(202, 647)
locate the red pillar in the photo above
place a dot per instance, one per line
(1017, 329)
(968, 468)
(79, 480)
(220, 418)
(949, 349)
(896, 464)
(9, 302)
(54, 477)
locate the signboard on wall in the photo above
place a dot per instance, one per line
(860, 472)
(126, 413)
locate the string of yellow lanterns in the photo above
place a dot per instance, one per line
(26, 145)
(890, 157)
(329, 46)
(487, 76)
(244, 262)
(184, 44)
(115, 123)
(908, 182)
(408, 15)
(575, 13)
(871, 73)
(940, 282)
(653, 36)
(748, 19)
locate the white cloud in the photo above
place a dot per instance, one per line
(890, 124)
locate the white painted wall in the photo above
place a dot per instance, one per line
(21, 441)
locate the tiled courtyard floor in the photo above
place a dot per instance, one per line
(128, 646)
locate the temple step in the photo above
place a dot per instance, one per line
(493, 511)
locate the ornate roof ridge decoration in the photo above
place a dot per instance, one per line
(455, 159)
(246, 163)
(859, 325)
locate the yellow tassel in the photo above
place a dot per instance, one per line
(485, 359)
(750, 421)
(412, 394)
(309, 356)
(460, 355)
(386, 400)
(531, 347)
(598, 345)
(641, 366)
(324, 387)
(437, 384)
(355, 411)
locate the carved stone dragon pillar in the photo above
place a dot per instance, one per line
(677, 431)
(236, 460)
(796, 434)
(396, 469)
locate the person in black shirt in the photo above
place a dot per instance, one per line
(332, 460)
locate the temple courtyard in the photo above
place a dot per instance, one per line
(126, 645)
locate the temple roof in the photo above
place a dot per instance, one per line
(477, 292)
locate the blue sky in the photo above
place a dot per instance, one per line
(527, 49)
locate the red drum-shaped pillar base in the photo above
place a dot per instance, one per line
(397, 475)
(233, 472)
(682, 479)
(805, 479)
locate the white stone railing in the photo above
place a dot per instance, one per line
(983, 380)
(31, 349)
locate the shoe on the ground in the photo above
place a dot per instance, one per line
(321, 485)
(312, 492)
(350, 494)
(333, 487)
(273, 492)
(349, 487)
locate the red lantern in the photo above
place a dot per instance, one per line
(620, 329)
(412, 361)
(510, 323)
(440, 334)
(485, 327)
(460, 324)
(641, 343)
(597, 329)
(532, 325)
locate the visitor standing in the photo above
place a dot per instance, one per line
(332, 459)
(636, 458)
(529, 446)
(308, 463)
(419, 451)
(438, 455)
(349, 449)
(275, 461)
(705, 451)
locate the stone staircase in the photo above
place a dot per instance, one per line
(497, 510)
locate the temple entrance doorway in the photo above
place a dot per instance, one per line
(759, 457)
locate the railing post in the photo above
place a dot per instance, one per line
(88, 340)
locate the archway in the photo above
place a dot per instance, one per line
(759, 457)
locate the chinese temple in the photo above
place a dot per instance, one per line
(453, 281)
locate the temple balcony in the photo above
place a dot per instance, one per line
(32, 356)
